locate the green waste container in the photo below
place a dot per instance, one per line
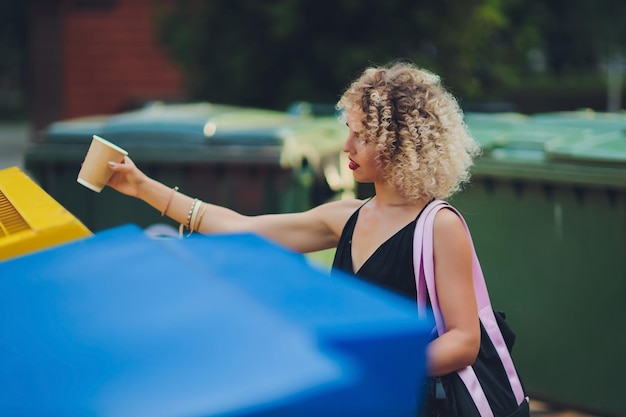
(251, 160)
(547, 210)
(585, 120)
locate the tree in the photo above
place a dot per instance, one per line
(272, 53)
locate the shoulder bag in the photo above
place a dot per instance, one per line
(491, 386)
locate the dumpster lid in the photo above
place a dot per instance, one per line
(203, 132)
(522, 141)
(580, 135)
(176, 125)
(595, 122)
(76, 130)
(491, 130)
(191, 124)
(609, 147)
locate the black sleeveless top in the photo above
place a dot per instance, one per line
(390, 266)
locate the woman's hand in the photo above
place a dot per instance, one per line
(126, 178)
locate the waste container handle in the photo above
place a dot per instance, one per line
(423, 260)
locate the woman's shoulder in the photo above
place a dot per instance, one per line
(449, 229)
(336, 213)
(343, 208)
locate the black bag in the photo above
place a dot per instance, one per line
(497, 390)
(448, 396)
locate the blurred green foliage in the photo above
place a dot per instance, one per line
(271, 53)
(538, 54)
(268, 53)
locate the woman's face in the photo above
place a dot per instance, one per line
(362, 155)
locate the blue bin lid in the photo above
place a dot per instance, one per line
(121, 324)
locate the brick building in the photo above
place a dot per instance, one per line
(95, 57)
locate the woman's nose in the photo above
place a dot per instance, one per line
(348, 145)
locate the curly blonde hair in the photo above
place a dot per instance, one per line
(422, 142)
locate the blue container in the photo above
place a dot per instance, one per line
(121, 324)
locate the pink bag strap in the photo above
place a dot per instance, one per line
(423, 259)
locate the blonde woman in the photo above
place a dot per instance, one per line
(407, 137)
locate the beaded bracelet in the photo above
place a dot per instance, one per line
(187, 223)
(191, 209)
(192, 221)
(169, 201)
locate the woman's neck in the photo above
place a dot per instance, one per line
(390, 197)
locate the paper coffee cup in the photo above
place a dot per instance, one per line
(95, 171)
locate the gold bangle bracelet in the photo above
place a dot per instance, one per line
(200, 215)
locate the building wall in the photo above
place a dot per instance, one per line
(94, 57)
(111, 58)
(45, 67)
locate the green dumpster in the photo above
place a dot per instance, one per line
(547, 210)
(587, 120)
(251, 160)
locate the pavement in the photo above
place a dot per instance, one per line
(539, 409)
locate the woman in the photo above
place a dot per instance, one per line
(408, 138)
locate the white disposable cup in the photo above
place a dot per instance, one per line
(95, 171)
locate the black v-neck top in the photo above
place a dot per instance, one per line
(390, 266)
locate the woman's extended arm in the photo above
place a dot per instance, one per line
(312, 230)
(459, 345)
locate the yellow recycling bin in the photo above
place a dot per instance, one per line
(30, 219)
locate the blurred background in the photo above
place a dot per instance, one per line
(73, 59)
(66, 58)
